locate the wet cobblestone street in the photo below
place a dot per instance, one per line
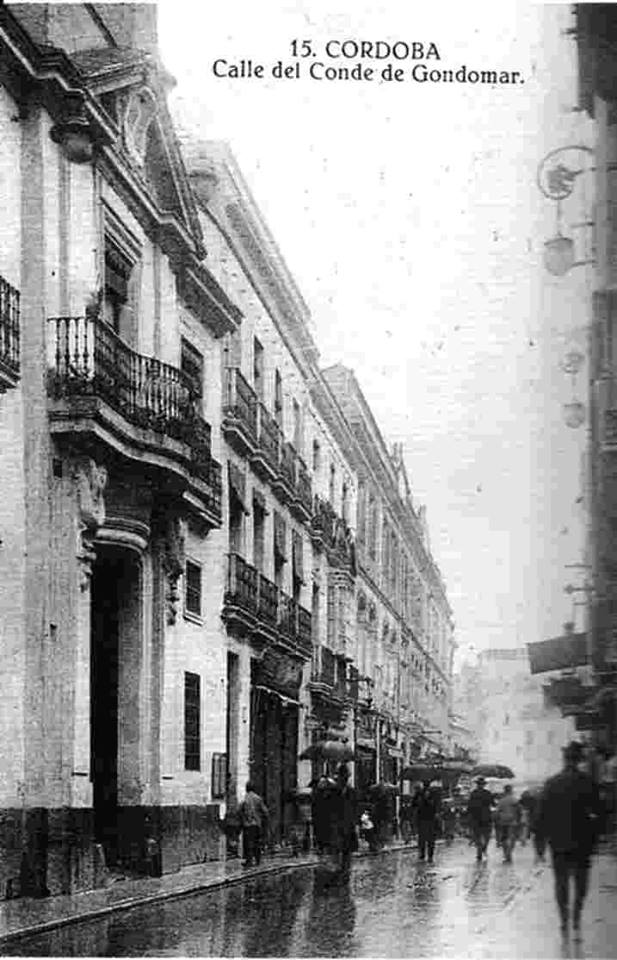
(392, 907)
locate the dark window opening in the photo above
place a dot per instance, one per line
(192, 596)
(192, 366)
(316, 456)
(259, 526)
(192, 721)
(258, 368)
(278, 398)
(118, 269)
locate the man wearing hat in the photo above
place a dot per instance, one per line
(480, 816)
(568, 819)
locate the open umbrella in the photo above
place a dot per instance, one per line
(383, 788)
(496, 770)
(328, 750)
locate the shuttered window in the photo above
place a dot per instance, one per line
(192, 721)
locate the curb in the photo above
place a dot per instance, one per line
(97, 913)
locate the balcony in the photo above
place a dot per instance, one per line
(103, 392)
(240, 413)
(285, 481)
(265, 458)
(331, 533)
(330, 682)
(9, 336)
(303, 503)
(255, 606)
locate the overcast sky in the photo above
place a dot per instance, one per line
(409, 216)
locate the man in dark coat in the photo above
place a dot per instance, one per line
(568, 819)
(345, 816)
(480, 817)
(427, 804)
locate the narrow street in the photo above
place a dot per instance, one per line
(393, 907)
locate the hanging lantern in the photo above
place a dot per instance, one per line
(574, 413)
(559, 255)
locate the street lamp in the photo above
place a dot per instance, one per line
(556, 180)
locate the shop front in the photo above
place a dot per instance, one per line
(273, 764)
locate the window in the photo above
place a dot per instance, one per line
(192, 366)
(219, 775)
(316, 456)
(278, 398)
(280, 548)
(118, 269)
(297, 426)
(332, 484)
(372, 527)
(192, 721)
(344, 502)
(258, 368)
(259, 524)
(528, 738)
(192, 584)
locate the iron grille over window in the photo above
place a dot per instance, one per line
(192, 596)
(219, 775)
(9, 326)
(192, 721)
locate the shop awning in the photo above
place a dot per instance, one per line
(559, 653)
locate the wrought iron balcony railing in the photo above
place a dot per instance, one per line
(258, 596)
(268, 436)
(9, 335)
(241, 402)
(90, 360)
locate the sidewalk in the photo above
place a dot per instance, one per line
(26, 915)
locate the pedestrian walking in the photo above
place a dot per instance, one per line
(367, 831)
(480, 817)
(427, 804)
(406, 819)
(345, 816)
(254, 819)
(568, 820)
(507, 817)
(321, 806)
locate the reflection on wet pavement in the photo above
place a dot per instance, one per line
(392, 907)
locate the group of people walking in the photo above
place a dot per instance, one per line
(566, 816)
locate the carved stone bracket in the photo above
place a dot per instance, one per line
(90, 481)
(173, 542)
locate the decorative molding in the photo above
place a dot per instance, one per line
(90, 482)
(173, 545)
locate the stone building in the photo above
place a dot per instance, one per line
(404, 629)
(112, 455)
(183, 602)
(512, 720)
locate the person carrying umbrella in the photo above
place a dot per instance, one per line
(479, 814)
